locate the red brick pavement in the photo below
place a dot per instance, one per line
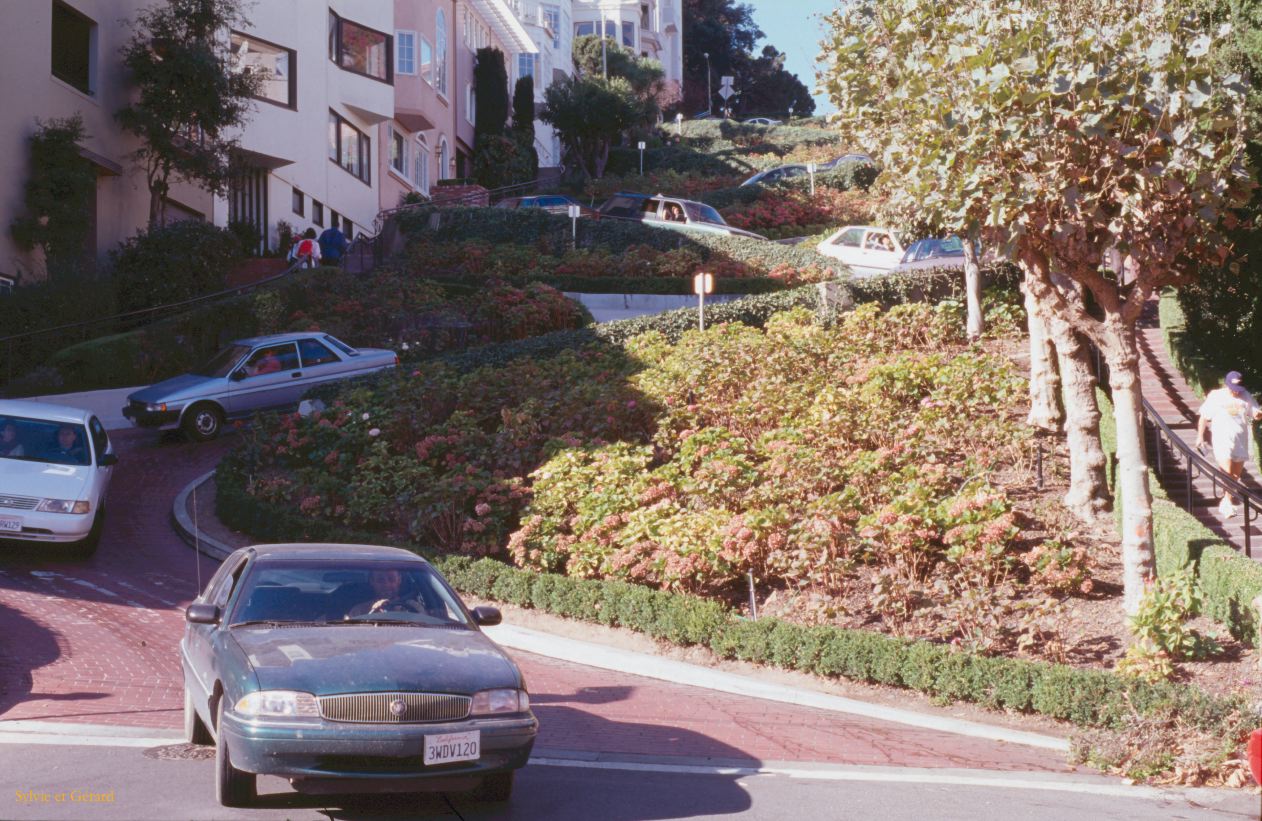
(97, 643)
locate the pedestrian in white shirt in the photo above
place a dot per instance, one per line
(1228, 412)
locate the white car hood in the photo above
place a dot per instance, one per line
(41, 480)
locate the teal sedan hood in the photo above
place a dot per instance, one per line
(326, 660)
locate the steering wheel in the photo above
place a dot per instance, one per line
(396, 605)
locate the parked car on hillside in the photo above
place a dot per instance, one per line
(251, 375)
(349, 668)
(846, 158)
(867, 250)
(669, 212)
(763, 121)
(932, 253)
(55, 469)
(772, 175)
(552, 203)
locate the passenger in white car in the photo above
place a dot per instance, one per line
(9, 444)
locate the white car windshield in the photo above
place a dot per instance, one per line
(43, 440)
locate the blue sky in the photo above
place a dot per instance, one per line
(794, 26)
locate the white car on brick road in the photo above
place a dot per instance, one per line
(55, 467)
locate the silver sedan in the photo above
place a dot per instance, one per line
(251, 375)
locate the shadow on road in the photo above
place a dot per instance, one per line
(25, 646)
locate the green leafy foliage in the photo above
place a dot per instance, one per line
(56, 199)
(173, 263)
(189, 98)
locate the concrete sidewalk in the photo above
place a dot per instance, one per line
(106, 404)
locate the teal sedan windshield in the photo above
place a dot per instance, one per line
(373, 592)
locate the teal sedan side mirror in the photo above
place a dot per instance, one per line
(202, 614)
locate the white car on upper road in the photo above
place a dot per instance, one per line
(55, 467)
(867, 250)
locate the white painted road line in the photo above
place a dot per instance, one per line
(643, 664)
(911, 775)
(84, 735)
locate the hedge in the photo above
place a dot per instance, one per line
(1085, 697)
(552, 232)
(674, 286)
(845, 177)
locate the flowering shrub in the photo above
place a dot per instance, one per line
(779, 212)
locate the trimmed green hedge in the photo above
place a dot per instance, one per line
(844, 177)
(1088, 698)
(552, 233)
(1196, 369)
(674, 286)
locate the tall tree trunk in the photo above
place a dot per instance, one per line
(1045, 413)
(1088, 494)
(1134, 494)
(976, 324)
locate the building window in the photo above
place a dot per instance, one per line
(360, 49)
(299, 203)
(444, 159)
(470, 103)
(427, 61)
(334, 220)
(405, 52)
(552, 22)
(274, 64)
(317, 212)
(628, 34)
(440, 54)
(350, 148)
(592, 29)
(526, 65)
(348, 228)
(398, 153)
(421, 173)
(73, 48)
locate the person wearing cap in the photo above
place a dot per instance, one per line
(1228, 412)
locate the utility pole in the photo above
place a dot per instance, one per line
(604, 35)
(709, 95)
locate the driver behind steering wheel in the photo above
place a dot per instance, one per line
(387, 588)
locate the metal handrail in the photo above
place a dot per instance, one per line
(1197, 465)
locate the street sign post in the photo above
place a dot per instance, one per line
(702, 284)
(810, 167)
(574, 211)
(1255, 758)
(640, 145)
(726, 92)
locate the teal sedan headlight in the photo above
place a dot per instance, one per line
(489, 702)
(277, 704)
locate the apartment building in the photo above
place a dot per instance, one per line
(650, 28)
(550, 26)
(430, 136)
(61, 59)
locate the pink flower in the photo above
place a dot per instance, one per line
(482, 509)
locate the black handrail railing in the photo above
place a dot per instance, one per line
(1194, 464)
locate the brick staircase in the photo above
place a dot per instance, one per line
(1177, 405)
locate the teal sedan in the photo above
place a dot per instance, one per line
(349, 669)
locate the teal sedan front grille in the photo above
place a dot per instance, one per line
(394, 708)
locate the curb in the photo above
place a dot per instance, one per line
(187, 529)
(650, 666)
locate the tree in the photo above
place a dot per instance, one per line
(1063, 130)
(767, 88)
(190, 98)
(490, 85)
(523, 131)
(646, 76)
(589, 113)
(57, 196)
(494, 155)
(726, 31)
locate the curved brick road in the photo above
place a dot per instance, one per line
(96, 643)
